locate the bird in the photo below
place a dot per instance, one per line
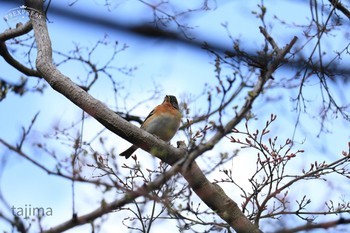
(163, 121)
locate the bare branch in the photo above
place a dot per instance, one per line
(13, 33)
(106, 208)
(337, 4)
(44, 168)
(252, 95)
(322, 225)
(18, 31)
(14, 63)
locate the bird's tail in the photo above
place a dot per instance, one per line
(127, 153)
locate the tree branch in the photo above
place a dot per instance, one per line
(323, 225)
(10, 34)
(15, 32)
(337, 4)
(250, 98)
(106, 208)
(48, 171)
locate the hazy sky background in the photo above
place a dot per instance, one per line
(178, 69)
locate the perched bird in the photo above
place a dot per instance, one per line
(163, 121)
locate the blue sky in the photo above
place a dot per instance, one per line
(178, 70)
